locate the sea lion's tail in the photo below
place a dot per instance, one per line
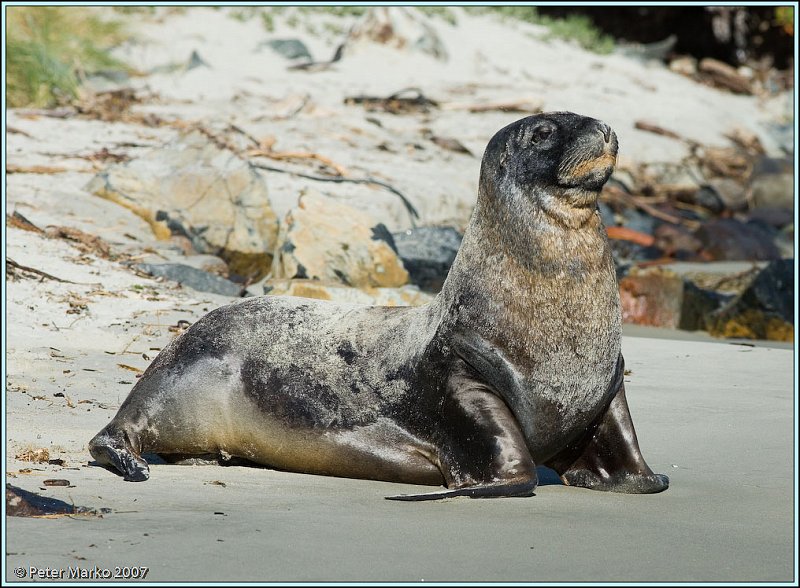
(112, 447)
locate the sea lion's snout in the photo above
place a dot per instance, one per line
(606, 131)
(589, 161)
(611, 144)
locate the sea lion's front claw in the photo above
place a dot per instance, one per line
(628, 483)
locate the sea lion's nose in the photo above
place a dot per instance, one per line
(605, 129)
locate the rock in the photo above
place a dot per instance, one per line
(730, 277)
(773, 290)
(404, 296)
(772, 166)
(196, 61)
(326, 240)
(730, 192)
(698, 305)
(208, 263)
(192, 277)
(289, 48)
(707, 198)
(637, 220)
(772, 183)
(782, 133)
(651, 296)
(401, 27)
(654, 52)
(785, 241)
(607, 214)
(427, 254)
(630, 251)
(676, 241)
(194, 187)
(774, 217)
(730, 239)
(181, 67)
(765, 310)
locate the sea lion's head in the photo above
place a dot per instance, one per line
(556, 162)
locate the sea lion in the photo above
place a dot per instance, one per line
(515, 363)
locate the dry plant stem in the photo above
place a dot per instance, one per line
(18, 221)
(298, 155)
(522, 105)
(653, 128)
(40, 169)
(32, 270)
(618, 195)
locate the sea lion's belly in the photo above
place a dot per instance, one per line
(380, 450)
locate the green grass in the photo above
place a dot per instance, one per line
(576, 28)
(784, 17)
(442, 12)
(49, 48)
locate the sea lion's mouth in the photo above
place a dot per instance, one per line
(589, 173)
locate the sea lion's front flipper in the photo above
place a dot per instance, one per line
(611, 459)
(483, 452)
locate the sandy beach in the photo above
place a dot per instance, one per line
(716, 416)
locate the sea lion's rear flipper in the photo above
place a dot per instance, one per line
(483, 453)
(609, 457)
(488, 491)
(112, 447)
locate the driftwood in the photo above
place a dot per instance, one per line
(40, 169)
(724, 75)
(521, 105)
(396, 103)
(18, 221)
(16, 131)
(653, 128)
(85, 242)
(616, 194)
(10, 262)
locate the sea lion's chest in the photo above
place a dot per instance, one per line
(550, 348)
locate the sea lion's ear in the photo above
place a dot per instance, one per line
(504, 155)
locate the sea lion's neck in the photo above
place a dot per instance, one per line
(529, 240)
(512, 270)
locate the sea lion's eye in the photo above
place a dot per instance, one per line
(541, 133)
